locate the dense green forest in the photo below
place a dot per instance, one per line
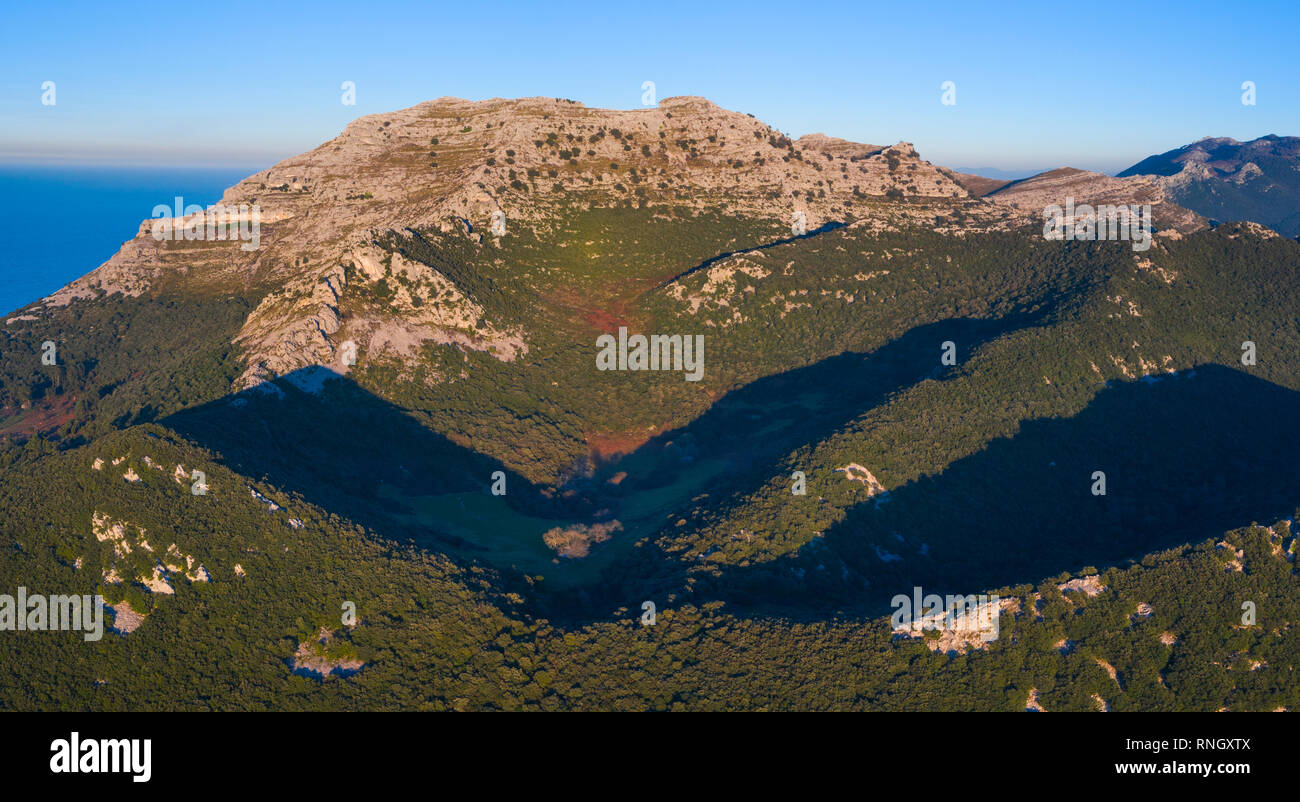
(438, 635)
(822, 352)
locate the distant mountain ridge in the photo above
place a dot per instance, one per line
(1227, 180)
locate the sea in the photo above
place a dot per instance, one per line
(59, 222)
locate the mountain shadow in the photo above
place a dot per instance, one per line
(768, 417)
(753, 430)
(834, 225)
(353, 453)
(754, 426)
(345, 449)
(1185, 457)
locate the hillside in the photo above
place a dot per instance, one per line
(394, 407)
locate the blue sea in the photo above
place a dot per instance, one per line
(58, 223)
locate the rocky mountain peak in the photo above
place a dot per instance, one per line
(455, 168)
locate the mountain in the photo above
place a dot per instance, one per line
(1045, 189)
(384, 444)
(1224, 179)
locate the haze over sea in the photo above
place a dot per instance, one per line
(59, 222)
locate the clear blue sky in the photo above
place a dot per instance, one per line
(1038, 85)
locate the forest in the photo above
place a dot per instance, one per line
(824, 352)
